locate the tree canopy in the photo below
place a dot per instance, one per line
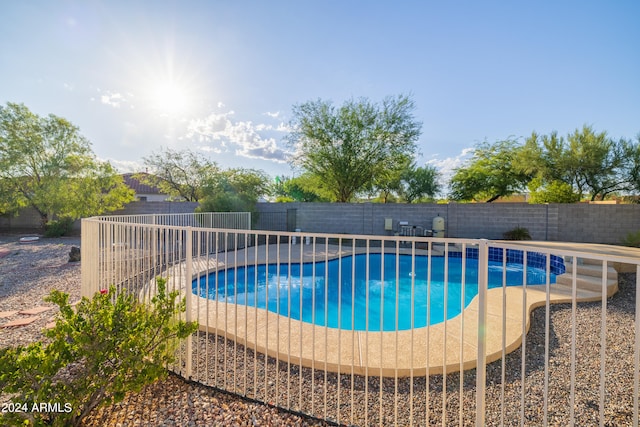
(179, 173)
(555, 169)
(191, 176)
(303, 188)
(419, 182)
(350, 147)
(591, 163)
(234, 190)
(492, 172)
(45, 163)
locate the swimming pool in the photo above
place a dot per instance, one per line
(341, 292)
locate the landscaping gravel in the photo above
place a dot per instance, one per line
(29, 271)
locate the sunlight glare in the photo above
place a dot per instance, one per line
(169, 97)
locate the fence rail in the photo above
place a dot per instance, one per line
(398, 330)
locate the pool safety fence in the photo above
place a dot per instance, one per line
(341, 328)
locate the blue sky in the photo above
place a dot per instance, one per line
(221, 76)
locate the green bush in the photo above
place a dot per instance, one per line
(518, 233)
(632, 239)
(106, 347)
(59, 227)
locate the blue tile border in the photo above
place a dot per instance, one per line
(534, 259)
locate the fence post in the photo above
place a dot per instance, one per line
(481, 368)
(90, 256)
(189, 294)
(636, 353)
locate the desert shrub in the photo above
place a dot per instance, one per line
(518, 233)
(106, 347)
(59, 227)
(632, 239)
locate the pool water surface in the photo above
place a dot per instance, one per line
(363, 297)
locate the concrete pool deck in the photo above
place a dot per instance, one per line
(445, 347)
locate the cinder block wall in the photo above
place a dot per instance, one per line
(28, 219)
(597, 223)
(554, 222)
(144, 208)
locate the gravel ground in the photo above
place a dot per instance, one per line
(29, 272)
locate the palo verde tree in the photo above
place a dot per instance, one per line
(350, 147)
(179, 173)
(599, 164)
(586, 163)
(418, 182)
(303, 188)
(45, 163)
(387, 186)
(492, 172)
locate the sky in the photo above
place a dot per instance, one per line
(220, 77)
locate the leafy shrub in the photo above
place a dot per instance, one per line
(518, 233)
(632, 239)
(96, 354)
(59, 227)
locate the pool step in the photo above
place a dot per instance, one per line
(589, 278)
(594, 270)
(563, 293)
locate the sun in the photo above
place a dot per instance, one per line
(169, 97)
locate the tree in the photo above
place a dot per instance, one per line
(589, 162)
(351, 146)
(600, 165)
(45, 163)
(303, 188)
(553, 192)
(492, 172)
(634, 167)
(419, 182)
(388, 184)
(179, 173)
(234, 190)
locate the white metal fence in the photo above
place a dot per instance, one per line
(346, 327)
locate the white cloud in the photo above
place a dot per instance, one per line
(253, 145)
(447, 166)
(125, 166)
(272, 115)
(209, 149)
(247, 139)
(113, 99)
(211, 128)
(283, 127)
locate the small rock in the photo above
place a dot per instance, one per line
(74, 254)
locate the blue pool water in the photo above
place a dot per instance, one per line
(326, 294)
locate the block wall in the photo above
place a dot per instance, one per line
(579, 222)
(587, 223)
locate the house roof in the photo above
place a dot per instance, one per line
(137, 186)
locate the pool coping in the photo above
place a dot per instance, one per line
(446, 347)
